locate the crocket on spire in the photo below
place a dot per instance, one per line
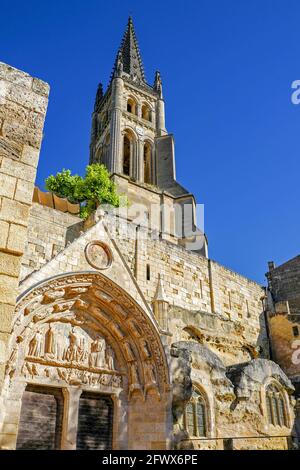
(130, 54)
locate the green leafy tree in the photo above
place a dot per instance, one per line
(94, 189)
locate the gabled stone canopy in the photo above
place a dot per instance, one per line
(73, 259)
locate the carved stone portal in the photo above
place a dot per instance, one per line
(82, 329)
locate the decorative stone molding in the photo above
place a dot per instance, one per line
(99, 255)
(84, 329)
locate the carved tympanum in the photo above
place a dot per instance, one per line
(83, 329)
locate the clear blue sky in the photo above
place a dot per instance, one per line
(227, 68)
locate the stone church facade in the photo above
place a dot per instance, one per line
(119, 332)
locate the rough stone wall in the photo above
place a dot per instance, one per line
(284, 283)
(223, 304)
(49, 231)
(204, 295)
(285, 344)
(23, 104)
(233, 341)
(236, 416)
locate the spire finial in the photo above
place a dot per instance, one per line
(160, 293)
(161, 305)
(129, 51)
(158, 84)
(99, 96)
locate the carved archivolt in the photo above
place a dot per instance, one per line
(83, 329)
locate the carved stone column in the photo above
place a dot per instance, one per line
(140, 160)
(115, 127)
(70, 418)
(160, 117)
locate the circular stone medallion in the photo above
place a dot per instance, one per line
(98, 255)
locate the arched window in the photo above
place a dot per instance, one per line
(276, 409)
(128, 152)
(147, 163)
(131, 106)
(196, 415)
(126, 156)
(146, 112)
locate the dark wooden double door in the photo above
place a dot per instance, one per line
(41, 421)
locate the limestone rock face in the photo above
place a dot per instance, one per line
(247, 377)
(181, 385)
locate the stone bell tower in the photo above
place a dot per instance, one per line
(130, 138)
(129, 117)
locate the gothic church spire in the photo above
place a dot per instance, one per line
(130, 55)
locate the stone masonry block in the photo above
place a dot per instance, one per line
(8, 291)
(7, 185)
(30, 156)
(22, 134)
(18, 169)
(24, 191)
(4, 228)
(40, 87)
(15, 76)
(6, 315)
(16, 238)
(14, 211)
(9, 264)
(27, 98)
(35, 121)
(13, 112)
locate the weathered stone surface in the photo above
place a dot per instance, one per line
(9, 289)
(22, 134)
(30, 156)
(40, 87)
(14, 211)
(9, 265)
(17, 100)
(27, 98)
(18, 169)
(6, 315)
(16, 238)
(244, 376)
(7, 185)
(13, 112)
(15, 76)
(4, 228)
(24, 191)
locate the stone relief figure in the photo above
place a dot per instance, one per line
(117, 381)
(110, 359)
(129, 352)
(76, 351)
(36, 345)
(145, 349)
(150, 376)
(50, 346)
(64, 344)
(134, 374)
(97, 354)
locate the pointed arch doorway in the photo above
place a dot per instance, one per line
(86, 341)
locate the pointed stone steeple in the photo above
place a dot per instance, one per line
(129, 55)
(161, 305)
(160, 293)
